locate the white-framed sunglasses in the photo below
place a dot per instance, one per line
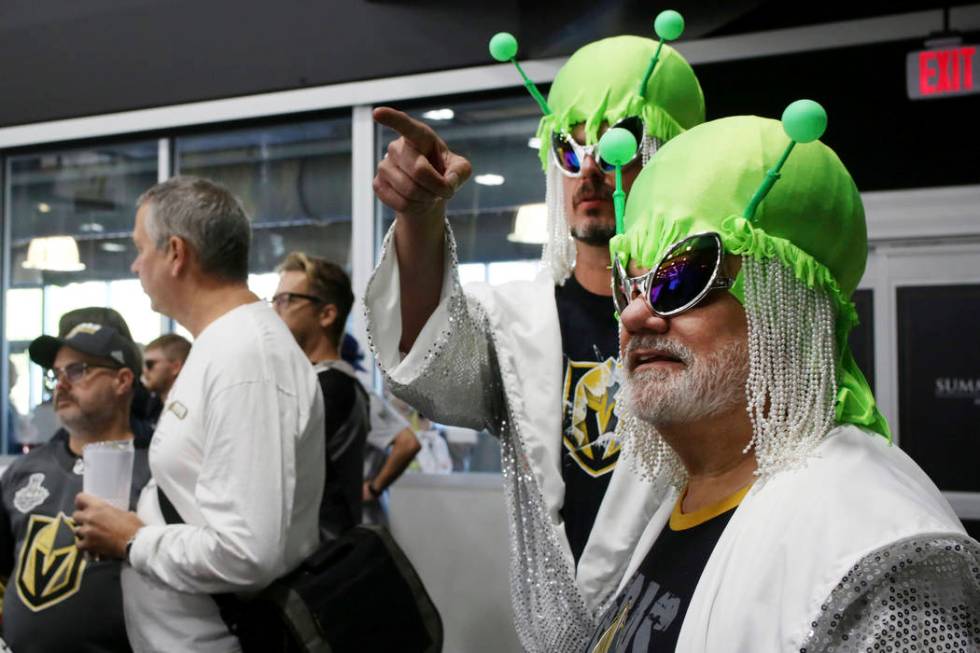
(569, 154)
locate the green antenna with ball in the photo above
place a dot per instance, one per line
(804, 121)
(618, 147)
(668, 25)
(503, 47)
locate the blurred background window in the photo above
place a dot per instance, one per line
(295, 183)
(69, 215)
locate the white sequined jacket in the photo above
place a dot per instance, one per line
(857, 551)
(491, 358)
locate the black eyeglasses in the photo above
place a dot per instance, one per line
(685, 275)
(72, 372)
(281, 300)
(569, 154)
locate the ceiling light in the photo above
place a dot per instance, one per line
(91, 226)
(530, 225)
(55, 253)
(112, 247)
(534, 143)
(489, 179)
(439, 114)
(44, 207)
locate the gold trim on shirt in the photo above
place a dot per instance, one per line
(680, 521)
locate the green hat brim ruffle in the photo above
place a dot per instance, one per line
(656, 121)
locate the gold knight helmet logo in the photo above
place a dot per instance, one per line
(590, 399)
(51, 566)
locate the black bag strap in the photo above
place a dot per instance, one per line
(170, 514)
(229, 605)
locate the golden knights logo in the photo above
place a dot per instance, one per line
(51, 566)
(589, 397)
(605, 643)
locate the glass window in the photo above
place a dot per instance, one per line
(70, 215)
(497, 138)
(294, 181)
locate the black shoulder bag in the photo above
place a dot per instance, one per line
(356, 593)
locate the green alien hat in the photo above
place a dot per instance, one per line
(600, 83)
(721, 176)
(616, 78)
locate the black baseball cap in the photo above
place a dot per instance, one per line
(89, 338)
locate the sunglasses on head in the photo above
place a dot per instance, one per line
(688, 271)
(569, 154)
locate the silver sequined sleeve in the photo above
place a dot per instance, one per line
(918, 594)
(450, 375)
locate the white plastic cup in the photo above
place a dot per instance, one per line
(109, 471)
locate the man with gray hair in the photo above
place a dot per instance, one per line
(789, 521)
(237, 459)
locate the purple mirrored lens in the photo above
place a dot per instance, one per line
(565, 153)
(570, 160)
(684, 274)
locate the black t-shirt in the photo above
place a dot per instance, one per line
(55, 598)
(346, 419)
(648, 615)
(590, 348)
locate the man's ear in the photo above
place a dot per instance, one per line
(178, 255)
(328, 315)
(126, 379)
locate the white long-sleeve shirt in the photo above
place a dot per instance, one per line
(239, 452)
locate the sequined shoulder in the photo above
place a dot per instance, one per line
(918, 594)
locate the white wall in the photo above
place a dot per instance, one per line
(454, 530)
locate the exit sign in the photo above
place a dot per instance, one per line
(942, 72)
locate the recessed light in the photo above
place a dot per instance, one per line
(489, 179)
(44, 207)
(439, 114)
(112, 247)
(534, 143)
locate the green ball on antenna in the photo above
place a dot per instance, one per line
(503, 46)
(669, 25)
(617, 146)
(804, 121)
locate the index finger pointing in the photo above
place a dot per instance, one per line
(417, 133)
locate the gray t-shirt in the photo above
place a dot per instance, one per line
(55, 599)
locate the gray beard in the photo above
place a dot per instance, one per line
(706, 387)
(91, 421)
(594, 234)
